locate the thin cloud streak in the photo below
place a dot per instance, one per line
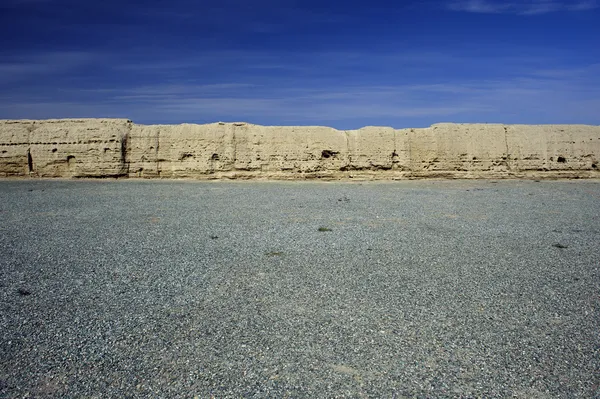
(518, 90)
(516, 98)
(530, 7)
(30, 66)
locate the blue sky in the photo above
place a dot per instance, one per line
(344, 64)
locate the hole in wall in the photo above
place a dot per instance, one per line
(561, 159)
(328, 154)
(214, 157)
(54, 150)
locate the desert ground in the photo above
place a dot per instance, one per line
(299, 289)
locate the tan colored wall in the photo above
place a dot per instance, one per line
(117, 147)
(64, 148)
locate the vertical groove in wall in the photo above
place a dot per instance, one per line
(29, 161)
(507, 153)
(394, 153)
(545, 150)
(234, 147)
(348, 154)
(157, 159)
(125, 150)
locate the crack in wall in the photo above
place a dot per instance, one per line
(125, 150)
(29, 161)
(156, 152)
(507, 153)
(234, 147)
(348, 154)
(394, 153)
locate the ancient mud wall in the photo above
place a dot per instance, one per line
(120, 148)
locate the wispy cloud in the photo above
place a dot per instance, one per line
(344, 89)
(551, 96)
(524, 7)
(16, 68)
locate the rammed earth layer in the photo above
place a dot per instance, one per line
(120, 148)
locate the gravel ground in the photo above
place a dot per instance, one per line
(425, 289)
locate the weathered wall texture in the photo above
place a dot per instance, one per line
(64, 148)
(119, 148)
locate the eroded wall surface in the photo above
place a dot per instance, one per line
(120, 148)
(64, 148)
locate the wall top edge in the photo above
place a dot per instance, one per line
(240, 124)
